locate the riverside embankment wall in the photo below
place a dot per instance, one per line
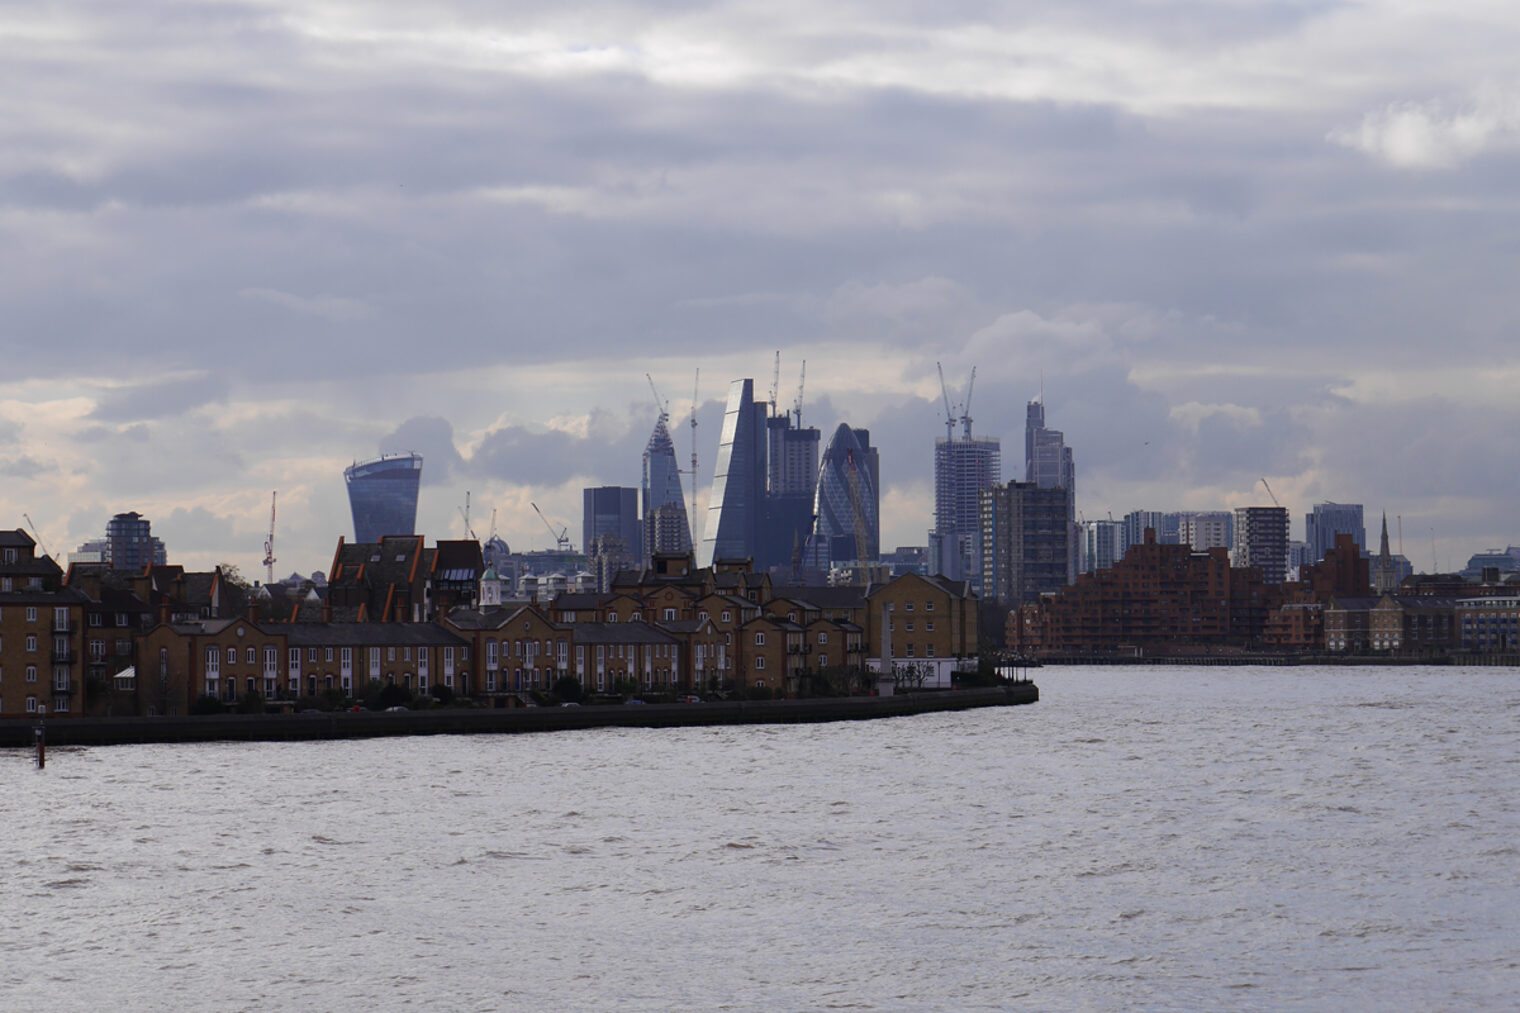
(451, 721)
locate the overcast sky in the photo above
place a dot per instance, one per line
(243, 244)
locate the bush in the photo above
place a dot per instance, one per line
(758, 693)
(568, 687)
(251, 703)
(443, 694)
(207, 705)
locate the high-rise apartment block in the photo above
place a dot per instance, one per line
(1328, 520)
(382, 494)
(791, 483)
(1261, 540)
(962, 469)
(1025, 542)
(130, 544)
(1208, 530)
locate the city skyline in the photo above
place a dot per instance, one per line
(1273, 243)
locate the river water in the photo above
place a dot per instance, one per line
(1143, 838)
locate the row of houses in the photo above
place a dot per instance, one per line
(430, 619)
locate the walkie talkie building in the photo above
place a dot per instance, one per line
(383, 496)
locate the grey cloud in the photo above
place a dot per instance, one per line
(431, 437)
(163, 399)
(26, 466)
(196, 530)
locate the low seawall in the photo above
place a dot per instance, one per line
(449, 721)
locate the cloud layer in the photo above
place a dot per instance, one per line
(246, 244)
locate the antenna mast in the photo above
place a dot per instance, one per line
(269, 542)
(691, 507)
(775, 381)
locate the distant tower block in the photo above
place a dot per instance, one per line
(383, 496)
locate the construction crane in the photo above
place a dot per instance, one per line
(966, 407)
(464, 514)
(797, 407)
(775, 381)
(659, 402)
(561, 537)
(1269, 493)
(36, 534)
(269, 559)
(949, 412)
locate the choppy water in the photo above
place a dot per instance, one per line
(1142, 838)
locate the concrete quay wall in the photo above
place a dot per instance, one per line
(450, 721)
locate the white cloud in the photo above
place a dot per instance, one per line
(1431, 135)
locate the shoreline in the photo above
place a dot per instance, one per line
(109, 731)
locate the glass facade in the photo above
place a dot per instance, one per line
(383, 496)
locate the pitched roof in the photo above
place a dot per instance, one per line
(620, 633)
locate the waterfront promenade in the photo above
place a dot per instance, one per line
(452, 721)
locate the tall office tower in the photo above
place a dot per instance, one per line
(1214, 529)
(736, 503)
(962, 469)
(1048, 464)
(848, 506)
(1329, 520)
(1104, 545)
(1047, 459)
(663, 501)
(612, 510)
(791, 487)
(130, 544)
(1261, 540)
(382, 494)
(1025, 542)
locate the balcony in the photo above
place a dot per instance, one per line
(64, 687)
(67, 626)
(65, 657)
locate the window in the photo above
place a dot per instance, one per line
(908, 606)
(31, 673)
(928, 650)
(311, 655)
(10, 555)
(329, 654)
(252, 656)
(121, 619)
(5, 584)
(929, 625)
(95, 619)
(702, 614)
(31, 613)
(31, 705)
(406, 654)
(61, 617)
(823, 637)
(728, 616)
(759, 663)
(759, 639)
(669, 614)
(390, 654)
(928, 606)
(908, 626)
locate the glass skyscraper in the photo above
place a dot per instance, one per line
(382, 494)
(736, 504)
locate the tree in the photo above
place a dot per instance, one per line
(251, 702)
(567, 688)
